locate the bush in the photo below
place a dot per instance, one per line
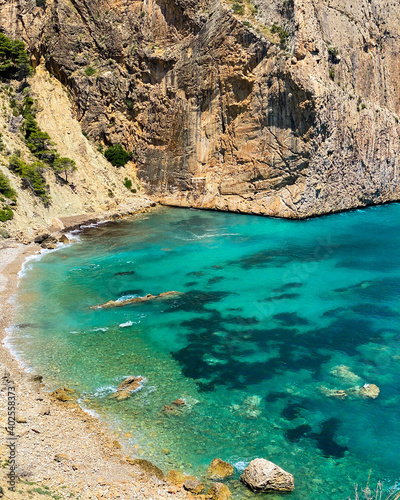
(89, 71)
(117, 155)
(238, 9)
(14, 61)
(281, 32)
(128, 183)
(38, 142)
(32, 177)
(333, 54)
(6, 189)
(6, 214)
(41, 3)
(65, 166)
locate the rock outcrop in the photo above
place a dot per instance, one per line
(62, 394)
(127, 387)
(194, 486)
(264, 476)
(135, 300)
(219, 491)
(287, 108)
(149, 469)
(218, 469)
(369, 391)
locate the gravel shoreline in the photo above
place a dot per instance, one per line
(61, 451)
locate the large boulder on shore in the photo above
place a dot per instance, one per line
(263, 476)
(194, 486)
(218, 469)
(219, 491)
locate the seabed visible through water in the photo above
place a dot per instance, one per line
(274, 317)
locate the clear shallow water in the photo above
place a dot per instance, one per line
(271, 312)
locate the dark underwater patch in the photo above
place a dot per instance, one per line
(332, 313)
(272, 397)
(281, 257)
(357, 286)
(287, 286)
(195, 273)
(196, 300)
(326, 439)
(125, 273)
(294, 435)
(135, 291)
(211, 281)
(283, 296)
(239, 373)
(290, 319)
(346, 334)
(374, 310)
(292, 411)
(191, 283)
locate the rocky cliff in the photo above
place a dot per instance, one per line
(280, 107)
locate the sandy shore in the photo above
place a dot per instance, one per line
(61, 452)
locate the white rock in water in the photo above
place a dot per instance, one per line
(263, 475)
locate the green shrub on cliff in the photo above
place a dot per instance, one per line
(32, 177)
(89, 71)
(40, 143)
(117, 155)
(281, 32)
(6, 214)
(6, 189)
(127, 183)
(14, 61)
(64, 166)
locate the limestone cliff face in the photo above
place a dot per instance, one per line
(280, 107)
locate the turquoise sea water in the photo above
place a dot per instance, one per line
(273, 316)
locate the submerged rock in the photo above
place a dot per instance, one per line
(193, 485)
(218, 469)
(369, 391)
(134, 300)
(127, 387)
(263, 476)
(179, 402)
(343, 372)
(250, 408)
(333, 393)
(219, 491)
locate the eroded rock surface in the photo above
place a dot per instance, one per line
(135, 300)
(223, 111)
(263, 475)
(218, 469)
